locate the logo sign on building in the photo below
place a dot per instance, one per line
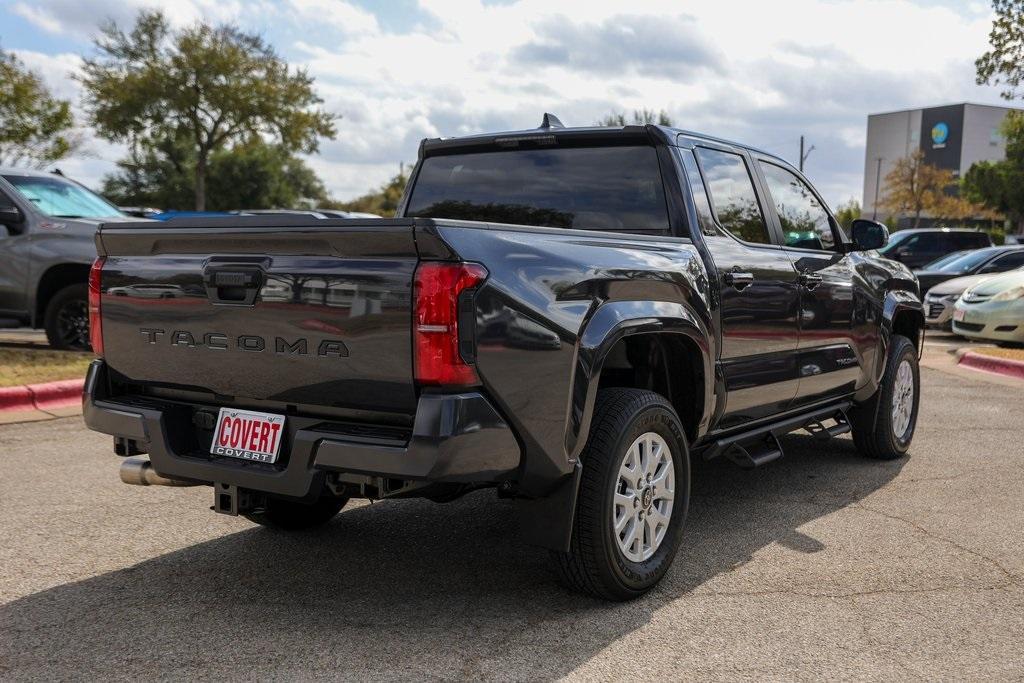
(942, 130)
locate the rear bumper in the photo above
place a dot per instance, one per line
(455, 438)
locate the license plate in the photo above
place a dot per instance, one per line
(958, 314)
(248, 435)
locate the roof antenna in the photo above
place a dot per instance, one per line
(551, 121)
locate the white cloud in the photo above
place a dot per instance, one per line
(759, 72)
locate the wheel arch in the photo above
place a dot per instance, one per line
(660, 346)
(54, 279)
(902, 314)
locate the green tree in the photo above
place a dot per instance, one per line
(251, 175)
(997, 184)
(640, 117)
(35, 126)
(209, 86)
(847, 212)
(383, 202)
(1003, 63)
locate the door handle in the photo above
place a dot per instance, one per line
(810, 280)
(738, 279)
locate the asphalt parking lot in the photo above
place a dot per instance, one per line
(820, 565)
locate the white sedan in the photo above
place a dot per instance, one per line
(992, 309)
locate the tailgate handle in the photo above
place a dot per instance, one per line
(233, 285)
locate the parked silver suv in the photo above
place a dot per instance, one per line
(47, 227)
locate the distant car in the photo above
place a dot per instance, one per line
(915, 248)
(992, 309)
(312, 213)
(139, 211)
(47, 243)
(988, 261)
(938, 303)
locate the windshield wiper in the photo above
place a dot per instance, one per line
(66, 215)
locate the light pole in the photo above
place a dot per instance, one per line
(803, 156)
(878, 179)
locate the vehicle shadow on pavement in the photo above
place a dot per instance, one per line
(407, 589)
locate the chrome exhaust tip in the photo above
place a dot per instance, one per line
(140, 472)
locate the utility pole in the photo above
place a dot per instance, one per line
(878, 180)
(803, 156)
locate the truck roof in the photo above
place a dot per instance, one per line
(552, 130)
(14, 170)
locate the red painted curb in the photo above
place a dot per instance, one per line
(15, 398)
(1001, 366)
(46, 396)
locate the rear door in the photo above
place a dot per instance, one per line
(828, 362)
(264, 309)
(759, 291)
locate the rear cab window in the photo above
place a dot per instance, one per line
(617, 189)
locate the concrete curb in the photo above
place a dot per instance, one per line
(994, 364)
(47, 397)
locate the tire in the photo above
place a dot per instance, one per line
(597, 563)
(290, 515)
(66, 319)
(872, 422)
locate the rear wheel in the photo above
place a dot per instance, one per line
(633, 497)
(288, 514)
(66, 318)
(883, 426)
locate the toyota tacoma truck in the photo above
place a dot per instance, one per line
(571, 316)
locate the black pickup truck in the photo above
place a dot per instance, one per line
(568, 315)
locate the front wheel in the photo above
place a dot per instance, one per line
(883, 426)
(633, 497)
(66, 318)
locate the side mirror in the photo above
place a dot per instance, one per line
(868, 235)
(11, 215)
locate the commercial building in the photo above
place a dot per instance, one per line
(952, 136)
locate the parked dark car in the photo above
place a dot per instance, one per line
(915, 248)
(568, 315)
(47, 243)
(985, 261)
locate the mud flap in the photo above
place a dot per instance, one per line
(547, 522)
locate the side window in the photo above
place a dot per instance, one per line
(733, 196)
(805, 222)
(699, 194)
(1003, 263)
(5, 201)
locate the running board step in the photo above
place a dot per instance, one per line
(751, 455)
(760, 445)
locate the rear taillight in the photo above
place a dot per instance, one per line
(440, 288)
(95, 322)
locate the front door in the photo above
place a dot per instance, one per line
(13, 265)
(828, 362)
(759, 293)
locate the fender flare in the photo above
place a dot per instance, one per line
(897, 302)
(612, 322)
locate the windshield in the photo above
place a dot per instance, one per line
(589, 188)
(59, 198)
(967, 262)
(948, 258)
(895, 240)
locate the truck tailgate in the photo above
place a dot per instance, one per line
(317, 313)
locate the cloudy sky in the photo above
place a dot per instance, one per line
(396, 71)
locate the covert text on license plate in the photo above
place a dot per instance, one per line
(248, 435)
